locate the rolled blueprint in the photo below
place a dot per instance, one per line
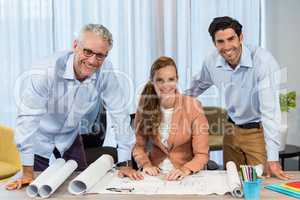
(32, 189)
(90, 176)
(234, 181)
(56, 179)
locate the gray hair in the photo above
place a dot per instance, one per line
(99, 30)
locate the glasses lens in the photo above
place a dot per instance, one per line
(100, 56)
(87, 52)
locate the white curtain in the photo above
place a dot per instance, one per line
(142, 31)
(25, 35)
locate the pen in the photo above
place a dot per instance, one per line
(244, 173)
(254, 174)
(120, 189)
(251, 173)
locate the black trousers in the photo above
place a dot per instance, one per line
(75, 152)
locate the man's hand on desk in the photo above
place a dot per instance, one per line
(131, 173)
(26, 179)
(274, 168)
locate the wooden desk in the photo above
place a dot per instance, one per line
(63, 194)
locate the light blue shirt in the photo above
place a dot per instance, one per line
(55, 107)
(251, 90)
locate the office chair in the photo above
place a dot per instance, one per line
(10, 162)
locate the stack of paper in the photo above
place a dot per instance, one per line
(291, 189)
(202, 183)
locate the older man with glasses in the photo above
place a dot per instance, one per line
(64, 99)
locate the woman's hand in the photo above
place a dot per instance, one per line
(177, 174)
(151, 170)
(130, 173)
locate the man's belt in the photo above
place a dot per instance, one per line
(246, 126)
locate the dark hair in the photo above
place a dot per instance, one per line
(222, 23)
(149, 104)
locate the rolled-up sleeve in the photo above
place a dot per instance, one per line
(139, 151)
(31, 106)
(200, 82)
(119, 134)
(269, 85)
(199, 141)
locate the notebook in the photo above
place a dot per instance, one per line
(291, 189)
(295, 185)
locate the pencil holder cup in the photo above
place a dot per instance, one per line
(252, 189)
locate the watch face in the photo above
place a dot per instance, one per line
(124, 163)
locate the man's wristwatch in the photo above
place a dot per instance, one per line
(127, 163)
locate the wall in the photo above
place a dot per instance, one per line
(283, 40)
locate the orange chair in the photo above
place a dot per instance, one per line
(10, 162)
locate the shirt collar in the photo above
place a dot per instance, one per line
(69, 72)
(246, 60)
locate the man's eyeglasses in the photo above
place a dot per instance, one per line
(90, 53)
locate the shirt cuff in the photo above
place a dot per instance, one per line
(123, 155)
(27, 159)
(272, 154)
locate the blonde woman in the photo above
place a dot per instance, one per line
(171, 129)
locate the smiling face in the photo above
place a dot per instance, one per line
(229, 45)
(165, 82)
(90, 53)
